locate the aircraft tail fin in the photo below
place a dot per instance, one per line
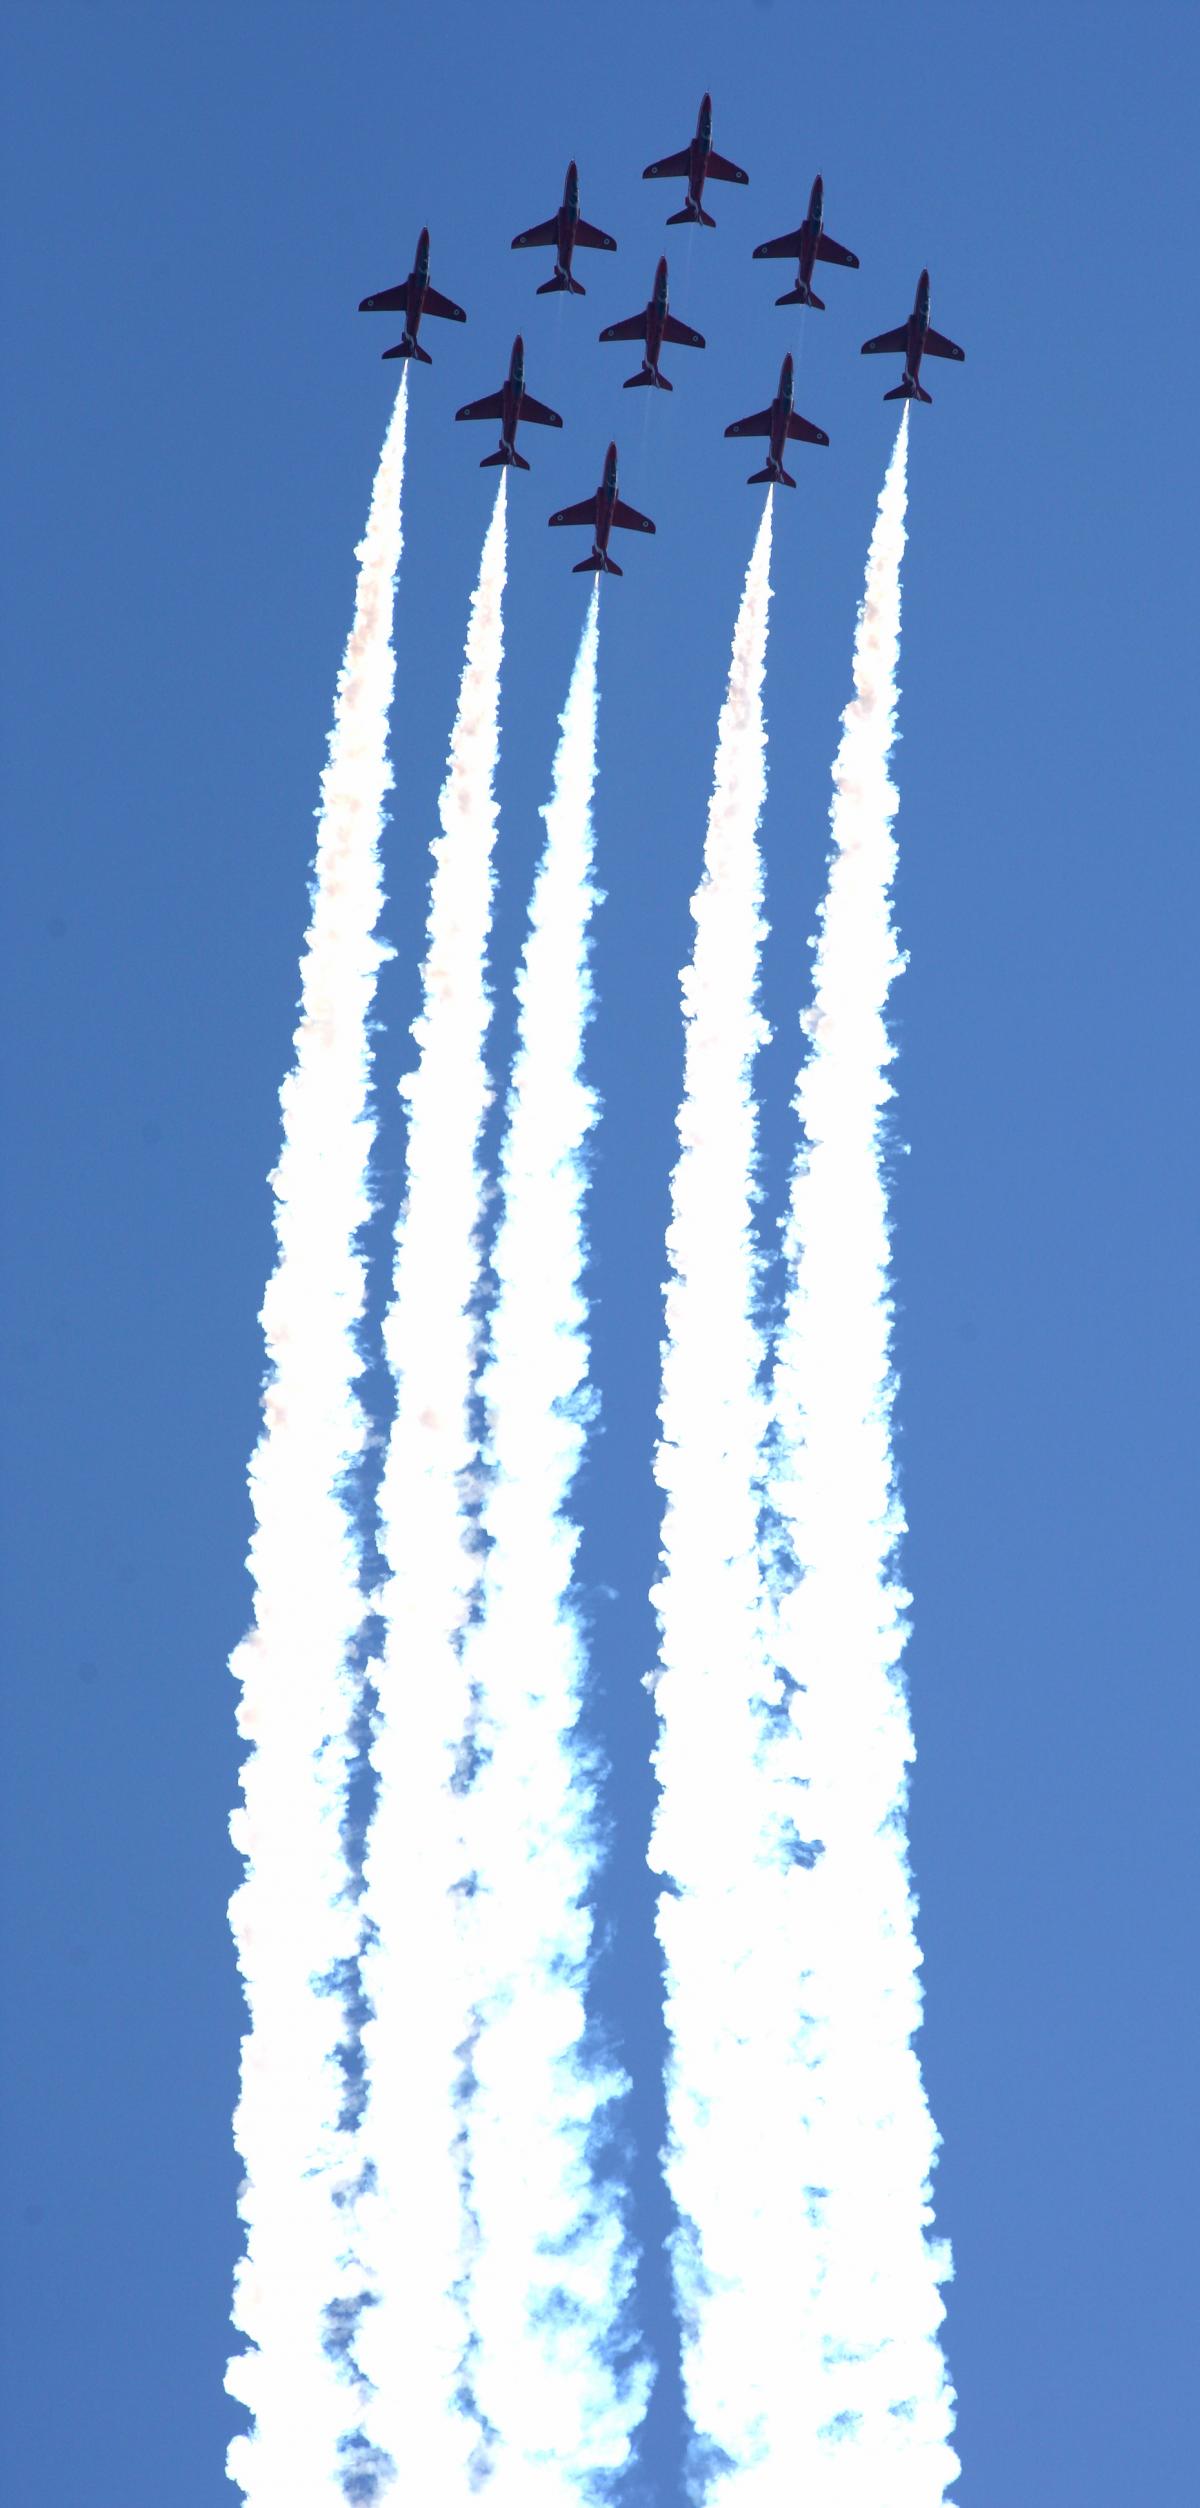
(908, 391)
(504, 459)
(768, 478)
(409, 348)
(691, 215)
(562, 282)
(799, 295)
(649, 374)
(599, 563)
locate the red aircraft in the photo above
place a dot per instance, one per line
(603, 513)
(565, 230)
(810, 242)
(917, 339)
(779, 422)
(412, 298)
(698, 161)
(654, 324)
(510, 404)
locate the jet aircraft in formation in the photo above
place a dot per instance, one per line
(602, 513)
(780, 422)
(809, 243)
(917, 339)
(655, 324)
(413, 297)
(565, 230)
(700, 162)
(510, 404)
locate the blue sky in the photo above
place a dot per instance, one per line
(196, 200)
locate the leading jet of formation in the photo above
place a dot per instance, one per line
(602, 513)
(699, 160)
(510, 404)
(810, 243)
(780, 423)
(412, 298)
(917, 338)
(654, 324)
(565, 230)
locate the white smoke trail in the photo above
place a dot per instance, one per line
(553, 2271)
(413, 2224)
(881, 2403)
(293, 1921)
(721, 1838)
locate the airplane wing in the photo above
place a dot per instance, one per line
(937, 345)
(546, 233)
(723, 170)
(443, 305)
(492, 407)
(584, 513)
(802, 431)
(781, 247)
(759, 424)
(627, 518)
(680, 163)
(679, 334)
(632, 329)
(536, 414)
(388, 300)
(827, 250)
(593, 236)
(888, 342)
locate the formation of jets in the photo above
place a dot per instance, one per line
(656, 326)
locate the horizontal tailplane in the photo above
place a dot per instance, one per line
(769, 478)
(908, 391)
(648, 375)
(799, 295)
(692, 215)
(409, 348)
(561, 283)
(504, 460)
(599, 563)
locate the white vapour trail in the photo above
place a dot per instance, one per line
(720, 1835)
(881, 2403)
(552, 2271)
(414, 2229)
(293, 1918)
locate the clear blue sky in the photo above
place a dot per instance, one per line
(196, 200)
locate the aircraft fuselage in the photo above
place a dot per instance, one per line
(418, 286)
(656, 318)
(918, 326)
(568, 222)
(606, 497)
(810, 232)
(781, 410)
(514, 394)
(699, 152)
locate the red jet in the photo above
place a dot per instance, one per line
(917, 339)
(779, 422)
(603, 513)
(810, 242)
(565, 230)
(412, 298)
(510, 405)
(698, 161)
(654, 324)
